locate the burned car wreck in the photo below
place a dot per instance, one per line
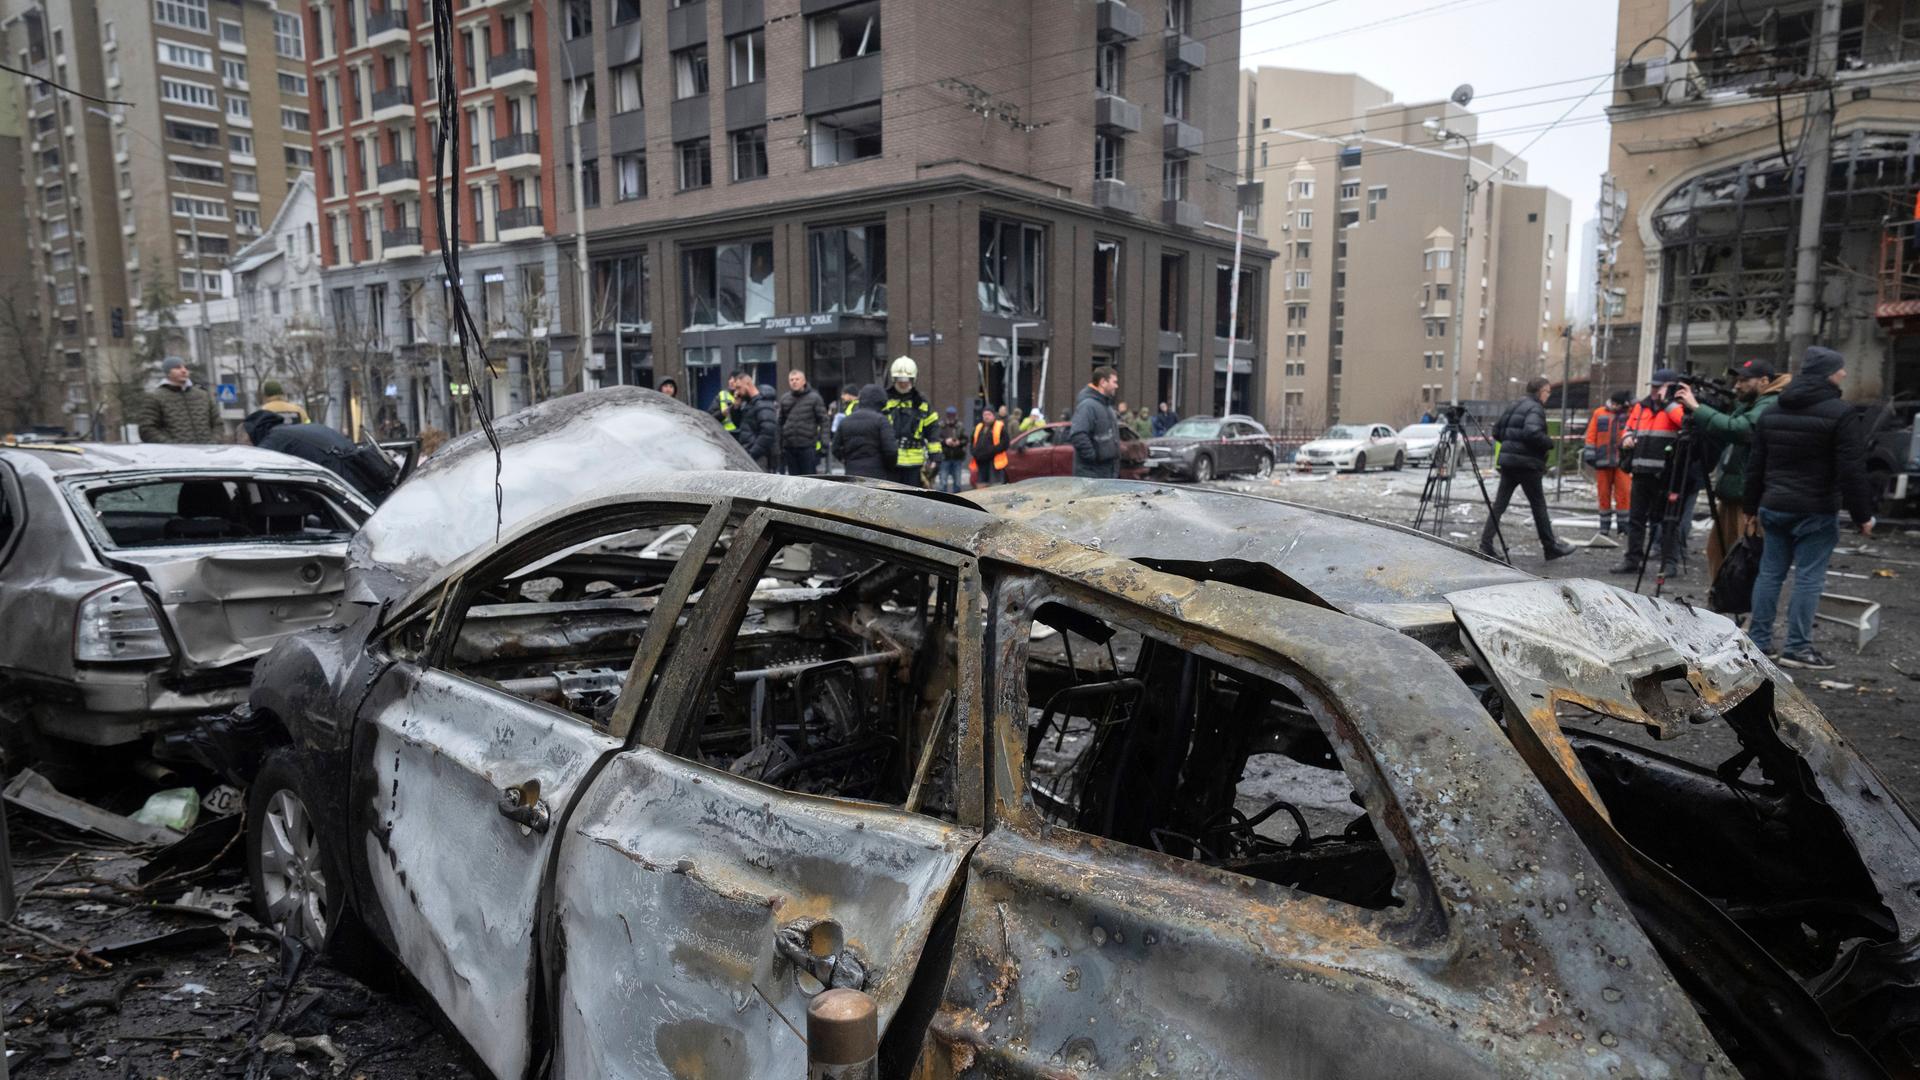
(1073, 777)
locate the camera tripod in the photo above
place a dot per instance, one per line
(1686, 446)
(1437, 495)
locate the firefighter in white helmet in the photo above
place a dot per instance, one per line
(912, 418)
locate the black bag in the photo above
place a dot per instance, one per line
(1732, 590)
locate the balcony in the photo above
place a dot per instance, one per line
(512, 68)
(1181, 139)
(519, 223)
(388, 29)
(1184, 53)
(399, 178)
(393, 103)
(1115, 21)
(400, 243)
(513, 153)
(1115, 114)
(1115, 195)
(1182, 214)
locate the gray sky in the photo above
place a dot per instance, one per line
(1497, 45)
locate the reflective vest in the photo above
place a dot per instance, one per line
(1655, 429)
(910, 416)
(999, 428)
(723, 408)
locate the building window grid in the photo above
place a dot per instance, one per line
(749, 153)
(187, 14)
(747, 58)
(696, 164)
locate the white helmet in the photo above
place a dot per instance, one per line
(904, 368)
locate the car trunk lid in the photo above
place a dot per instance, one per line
(230, 606)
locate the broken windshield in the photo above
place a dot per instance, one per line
(220, 510)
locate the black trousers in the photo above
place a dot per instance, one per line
(1528, 481)
(908, 475)
(1645, 509)
(800, 460)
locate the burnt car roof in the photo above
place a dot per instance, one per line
(1379, 571)
(66, 459)
(552, 455)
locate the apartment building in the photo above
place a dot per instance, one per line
(1705, 147)
(377, 119)
(1363, 208)
(145, 202)
(1009, 193)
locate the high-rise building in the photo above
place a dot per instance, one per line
(1709, 109)
(377, 122)
(1007, 192)
(142, 203)
(1363, 208)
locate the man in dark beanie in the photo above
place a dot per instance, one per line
(1808, 459)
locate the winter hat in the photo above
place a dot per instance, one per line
(172, 362)
(1752, 369)
(1820, 362)
(1621, 397)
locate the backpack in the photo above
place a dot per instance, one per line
(1732, 590)
(368, 468)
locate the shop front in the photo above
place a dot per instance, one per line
(840, 350)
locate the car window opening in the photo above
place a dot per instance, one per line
(562, 629)
(1134, 739)
(212, 510)
(841, 679)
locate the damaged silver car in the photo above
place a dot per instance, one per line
(1080, 777)
(139, 583)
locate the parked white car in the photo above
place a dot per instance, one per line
(1358, 447)
(1421, 439)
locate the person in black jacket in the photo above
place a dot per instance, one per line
(1807, 460)
(1521, 432)
(1095, 428)
(864, 441)
(364, 468)
(757, 423)
(803, 423)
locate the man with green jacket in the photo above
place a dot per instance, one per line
(1757, 389)
(177, 411)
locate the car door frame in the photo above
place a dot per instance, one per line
(429, 619)
(670, 717)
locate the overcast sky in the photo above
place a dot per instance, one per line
(1425, 48)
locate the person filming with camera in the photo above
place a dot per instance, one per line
(1653, 433)
(1755, 390)
(1807, 461)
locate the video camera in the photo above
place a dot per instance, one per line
(1453, 414)
(1717, 393)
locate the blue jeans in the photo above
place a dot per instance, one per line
(953, 474)
(1805, 542)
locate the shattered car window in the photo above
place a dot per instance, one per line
(562, 629)
(1137, 740)
(213, 510)
(1194, 429)
(842, 679)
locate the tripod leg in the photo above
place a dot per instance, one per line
(1473, 460)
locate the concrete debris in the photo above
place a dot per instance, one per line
(31, 791)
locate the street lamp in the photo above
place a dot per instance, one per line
(1174, 398)
(1013, 364)
(1462, 96)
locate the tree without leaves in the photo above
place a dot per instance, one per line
(32, 380)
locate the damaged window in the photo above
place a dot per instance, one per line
(215, 511)
(841, 679)
(562, 628)
(1135, 739)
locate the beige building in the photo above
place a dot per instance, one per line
(1362, 206)
(149, 199)
(1705, 147)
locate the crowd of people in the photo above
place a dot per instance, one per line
(1780, 461)
(893, 432)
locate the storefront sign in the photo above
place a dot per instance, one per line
(827, 325)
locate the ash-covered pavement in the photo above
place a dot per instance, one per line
(1872, 695)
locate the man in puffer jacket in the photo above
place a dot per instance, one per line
(758, 421)
(864, 441)
(1808, 459)
(177, 411)
(365, 468)
(1521, 432)
(803, 423)
(1095, 428)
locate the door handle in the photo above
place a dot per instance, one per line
(521, 805)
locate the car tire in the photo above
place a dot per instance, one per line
(1359, 463)
(1202, 469)
(298, 880)
(1399, 462)
(1263, 466)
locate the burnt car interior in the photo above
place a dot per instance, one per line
(562, 630)
(1133, 738)
(841, 679)
(206, 510)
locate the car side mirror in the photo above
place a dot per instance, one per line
(1019, 448)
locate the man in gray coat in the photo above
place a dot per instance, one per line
(803, 424)
(1095, 430)
(177, 411)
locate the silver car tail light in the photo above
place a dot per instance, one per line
(118, 623)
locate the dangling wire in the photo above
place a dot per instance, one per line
(447, 216)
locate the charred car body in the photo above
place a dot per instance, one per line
(623, 788)
(138, 583)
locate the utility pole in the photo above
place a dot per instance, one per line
(585, 286)
(1816, 155)
(1566, 408)
(1458, 308)
(1233, 305)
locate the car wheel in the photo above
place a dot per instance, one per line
(1359, 463)
(1263, 466)
(1203, 468)
(298, 881)
(1399, 462)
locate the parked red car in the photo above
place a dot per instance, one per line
(1046, 452)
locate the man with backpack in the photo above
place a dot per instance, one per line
(364, 467)
(1524, 442)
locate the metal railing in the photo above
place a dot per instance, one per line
(526, 142)
(510, 61)
(517, 217)
(392, 96)
(397, 170)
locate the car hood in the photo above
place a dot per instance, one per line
(550, 455)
